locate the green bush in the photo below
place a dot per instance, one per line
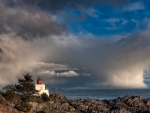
(45, 97)
(36, 99)
(45, 108)
(24, 106)
(11, 96)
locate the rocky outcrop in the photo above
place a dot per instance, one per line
(129, 104)
(6, 107)
(58, 103)
(133, 104)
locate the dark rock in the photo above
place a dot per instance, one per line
(6, 107)
(127, 104)
(58, 98)
(58, 103)
(41, 112)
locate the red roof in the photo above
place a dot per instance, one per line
(39, 81)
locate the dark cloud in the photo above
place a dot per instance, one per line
(1, 51)
(28, 22)
(119, 64)
(56, 5)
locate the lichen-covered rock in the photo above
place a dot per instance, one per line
(6, 107)
(58, 98)
(58, 103)
(120, 111)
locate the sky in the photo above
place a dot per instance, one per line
(76, 43)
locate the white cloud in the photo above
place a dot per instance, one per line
(124, 22)
(50, 69)
(58, 74)
(91, 12)
(113, 23)
(51, 66)
(133, 6)
(67, 74)
(112, 20)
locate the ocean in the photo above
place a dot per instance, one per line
(101, 93)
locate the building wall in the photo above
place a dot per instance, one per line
(40, 86)
(41, 89)
(44, 91)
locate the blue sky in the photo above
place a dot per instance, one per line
(107, 19)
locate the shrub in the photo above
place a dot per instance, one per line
(45, 97)
(24, 106)
(11, 96)
(36, 99)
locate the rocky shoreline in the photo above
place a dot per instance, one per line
(58, 103)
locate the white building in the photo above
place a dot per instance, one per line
(40, 86)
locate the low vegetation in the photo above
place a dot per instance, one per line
(23, 94)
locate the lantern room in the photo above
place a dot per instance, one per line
(39, 81)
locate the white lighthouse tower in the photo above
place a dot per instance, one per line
(40, 86)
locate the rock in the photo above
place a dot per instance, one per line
(120, 111)
(6, 107)
(58, 98)
(133, 104)
(88, 106)
(129, 104)
(58, 103)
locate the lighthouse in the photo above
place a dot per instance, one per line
(40, 86)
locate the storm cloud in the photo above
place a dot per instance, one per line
(62, 58)
(28, 22)
(119, 64)
(54, 5)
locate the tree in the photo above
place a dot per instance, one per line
(25, 87)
